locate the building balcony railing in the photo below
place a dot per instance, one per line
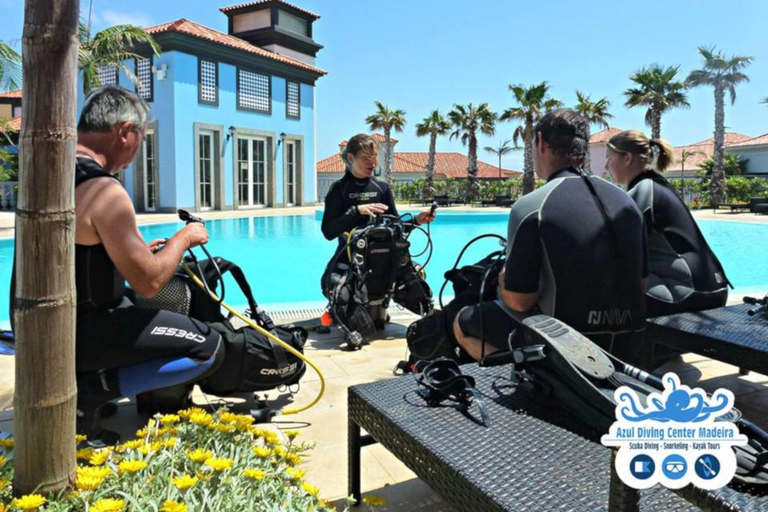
(8, 193)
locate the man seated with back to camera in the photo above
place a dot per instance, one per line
(576, 251)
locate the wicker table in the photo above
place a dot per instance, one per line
(533, 456)
(726, 334)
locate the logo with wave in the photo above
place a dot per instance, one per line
(676, 437)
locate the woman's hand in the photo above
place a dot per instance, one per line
(425, 217)
(372, 209)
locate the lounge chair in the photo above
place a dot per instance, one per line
(442, 200)
(755, 202)
(504, 201)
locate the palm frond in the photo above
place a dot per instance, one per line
(10, 68)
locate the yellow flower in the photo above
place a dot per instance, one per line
(243, 422)
(226, 429)
(203, 419)
(227, 417)
(203, 475)
(84, 454)
(108, 505)
(93, 472)
(199, 455)
(373, 500)
(173, 506)
(79, 438)
(169, 419)
(291, 434)
(185, 481)
(256, 431)
(99, 458)
(153, 447)
(131, 466)
(171, 442)
(4, 482)
(295, 474)
(310, 489)
(279, 452)
(293, 459)
(326, 504)
(3, 460)
(219, 464)
(255, 474)
(7, 443)
(262, 453)
(88, 483)
(29, 502)
(187, 413)
(132, 445)
(270, 438)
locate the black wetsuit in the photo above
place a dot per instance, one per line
(586, 264)
(685, 275)
(342, 215)
(113, 333)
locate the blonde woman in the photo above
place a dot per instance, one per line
(685, 275)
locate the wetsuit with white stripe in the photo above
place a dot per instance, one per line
(685, 275)
(586, 262)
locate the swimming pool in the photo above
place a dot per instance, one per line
(284, 256)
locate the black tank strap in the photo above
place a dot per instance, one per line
(87, 169)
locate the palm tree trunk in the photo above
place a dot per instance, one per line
(528, 180)
(656, 124)
(428, 190)
(717, 185)
(499, 165)
(472, 184)
(45, 398)
(387, 157)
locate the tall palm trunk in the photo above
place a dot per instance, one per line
(528, 179)
(388, 157)
(472, 185)
(45, 398)
(717, 185)
(428, 189)
(656, 124)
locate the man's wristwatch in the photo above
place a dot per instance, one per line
(352, 210)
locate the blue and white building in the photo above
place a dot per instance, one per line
(233, 115)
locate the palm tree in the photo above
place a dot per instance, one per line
(387, 120)
(45, 399)
(658, 90)
(433, 125)
(503, 149)
(110, 47)
(596, 113)
(721, 73)
(533, 102)
(467, 121)
(685, 155)
(10, 68)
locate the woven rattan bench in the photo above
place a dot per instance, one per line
(533, 456)
(726, 334)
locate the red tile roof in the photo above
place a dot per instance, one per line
(259, 2)
(707, 149)
(604, 136)
(760, 140)
(11, 94)
(193, 29)
(14, 125)
(453, 165)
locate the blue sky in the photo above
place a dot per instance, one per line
(418, 55)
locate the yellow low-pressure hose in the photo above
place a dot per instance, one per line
(293, 410)
(349, 246)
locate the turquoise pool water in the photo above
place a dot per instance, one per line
(284, 257)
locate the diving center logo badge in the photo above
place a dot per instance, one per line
(678, 437)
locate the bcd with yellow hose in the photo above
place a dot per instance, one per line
(258, 355)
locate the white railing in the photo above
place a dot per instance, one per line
(8, 195)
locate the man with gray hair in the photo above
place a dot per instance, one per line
(123, 350)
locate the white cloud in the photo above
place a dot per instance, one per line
(110, 18)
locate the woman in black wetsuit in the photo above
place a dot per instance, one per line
(353, 200)
(685, 275)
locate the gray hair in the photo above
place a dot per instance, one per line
(106, 107)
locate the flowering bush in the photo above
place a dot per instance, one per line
(190, 461)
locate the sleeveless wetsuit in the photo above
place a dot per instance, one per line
(685, 275)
